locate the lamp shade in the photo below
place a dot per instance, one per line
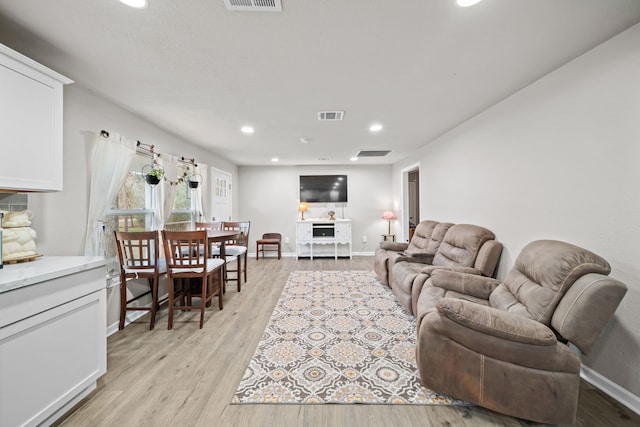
(388, 215)
(303, 207)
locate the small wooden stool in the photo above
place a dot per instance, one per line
(268, 239)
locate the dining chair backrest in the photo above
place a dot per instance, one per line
(217, 225)
(138, 251)
(139, 257)
(185, 251)
(243, 227)
(275, 236)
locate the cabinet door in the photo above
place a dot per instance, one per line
(305, 233)
(51, 358)
(343, 232)
(30, 125)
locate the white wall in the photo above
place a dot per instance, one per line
(557, 160)
(270, 196)
(60, 218)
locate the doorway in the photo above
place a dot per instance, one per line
(220, 195)
(411, 200)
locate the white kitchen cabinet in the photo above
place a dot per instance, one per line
(52, 337)
(30, 124)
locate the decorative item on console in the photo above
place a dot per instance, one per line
(18, 238)
(332, 215)
(303, 208)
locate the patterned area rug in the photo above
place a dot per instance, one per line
(337, 337)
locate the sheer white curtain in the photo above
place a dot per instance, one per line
(167, 191)
(201, 193)
(110, 163)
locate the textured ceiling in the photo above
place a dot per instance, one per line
(419, 67)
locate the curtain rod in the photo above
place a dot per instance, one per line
(149, 148)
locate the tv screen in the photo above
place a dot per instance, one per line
(323, 188)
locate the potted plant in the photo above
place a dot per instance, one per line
(194, 180)
(154, 175)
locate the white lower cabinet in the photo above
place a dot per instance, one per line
(318, 238)
(53, 350)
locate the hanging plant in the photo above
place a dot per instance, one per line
(154, 174)
(194, 180)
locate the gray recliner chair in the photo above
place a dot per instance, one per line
(424, 244)
(503, 345)
(465, 247)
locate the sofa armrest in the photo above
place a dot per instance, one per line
(465, 283)
(497, 323)
(416, 256)
(394, 246)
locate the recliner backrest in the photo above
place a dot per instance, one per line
(461, 245)
(428, 236)
(543, 272)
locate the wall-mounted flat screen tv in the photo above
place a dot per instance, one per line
(323, 188)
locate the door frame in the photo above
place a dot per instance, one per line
(404, 215)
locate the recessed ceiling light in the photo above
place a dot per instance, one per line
(376, 127)
(138, 4)
(467, 3)
(354, 159)
(247, 129)
(305, 140)
(275, 159)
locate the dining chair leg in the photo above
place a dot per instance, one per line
(171, 303)
(123, 304)
(220, 284)
(154, 302)
(203, 298)
(239, 272)
(245, 265)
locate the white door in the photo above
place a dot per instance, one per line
(220, 195)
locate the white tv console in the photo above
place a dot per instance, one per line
(323, 237)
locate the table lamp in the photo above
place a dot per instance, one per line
(389, 216)
(303, 208)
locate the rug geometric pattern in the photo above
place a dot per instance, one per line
(337, 337)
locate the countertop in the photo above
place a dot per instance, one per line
(16, 276)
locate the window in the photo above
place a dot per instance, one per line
(134, 208)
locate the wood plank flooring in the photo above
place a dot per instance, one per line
(187, 376)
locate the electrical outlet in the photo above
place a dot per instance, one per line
(286, 240)
(364, 239)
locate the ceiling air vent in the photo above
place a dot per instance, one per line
(372, 153)
(254, 5)
(330, 115)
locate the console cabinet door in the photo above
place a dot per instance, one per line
(343, 232)
(304, 237)
(30, 124)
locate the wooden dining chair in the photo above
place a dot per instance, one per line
(214, 250)
(236, 250)
(187, 255)
(138, 254)
(267, 243)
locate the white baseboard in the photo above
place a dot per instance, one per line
(607, 386)
(131, 317)
(293, 255)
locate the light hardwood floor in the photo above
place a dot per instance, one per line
(188, 376)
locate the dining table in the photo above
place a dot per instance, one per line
(221, 236)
